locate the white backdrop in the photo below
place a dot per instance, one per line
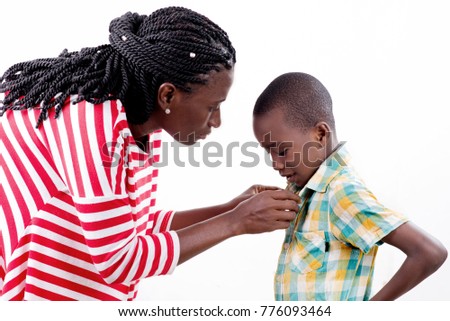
(386, 66)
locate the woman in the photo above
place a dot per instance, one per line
(80, 134)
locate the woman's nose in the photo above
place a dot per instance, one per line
(214, 120)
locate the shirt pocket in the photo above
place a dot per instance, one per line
(307, 251)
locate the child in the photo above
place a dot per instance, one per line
(330, 248)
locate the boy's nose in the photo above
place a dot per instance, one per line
(277, 165)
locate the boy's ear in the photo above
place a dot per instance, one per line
(322, 132)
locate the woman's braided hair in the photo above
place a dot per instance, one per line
(172, 44)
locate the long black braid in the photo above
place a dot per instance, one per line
(172, 44)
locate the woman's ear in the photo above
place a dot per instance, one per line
(166, 93)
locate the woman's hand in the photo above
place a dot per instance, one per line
(249, 192)
(266, 210)
(259, 209)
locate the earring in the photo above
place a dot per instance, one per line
(167, 111)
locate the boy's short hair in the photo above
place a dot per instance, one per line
(304, 100)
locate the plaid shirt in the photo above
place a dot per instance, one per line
(329, 250)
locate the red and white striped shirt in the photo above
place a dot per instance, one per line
(77, 217)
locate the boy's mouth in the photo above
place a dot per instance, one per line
(289, 177)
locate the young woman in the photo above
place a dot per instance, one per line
(79, 139)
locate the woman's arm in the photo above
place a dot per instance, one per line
(424, 255)
(187, 218)
(264, 212)
(182, 219)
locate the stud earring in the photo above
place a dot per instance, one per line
(167, 111)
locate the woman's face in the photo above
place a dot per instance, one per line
(193, 115)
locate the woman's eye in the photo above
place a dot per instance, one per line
(282, 152)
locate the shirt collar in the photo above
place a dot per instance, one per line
(319, 182)
(339, 159)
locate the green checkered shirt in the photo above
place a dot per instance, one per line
(329, 250)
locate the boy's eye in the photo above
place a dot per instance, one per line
(214, 108)
(279, 153)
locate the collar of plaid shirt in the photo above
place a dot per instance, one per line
(325, 173)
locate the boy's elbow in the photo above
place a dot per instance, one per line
(443, 255)
(437, 256)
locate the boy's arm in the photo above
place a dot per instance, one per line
(424, 255)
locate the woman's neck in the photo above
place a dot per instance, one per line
(142, 130)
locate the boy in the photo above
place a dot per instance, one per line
(329, 249)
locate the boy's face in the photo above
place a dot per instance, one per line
(296, 153)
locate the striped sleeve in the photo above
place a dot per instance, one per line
(89, 146)
(2, 261)
(163, 219)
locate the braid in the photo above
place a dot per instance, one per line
(173, 44)
(48, 82)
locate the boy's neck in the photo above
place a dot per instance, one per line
(332, 145)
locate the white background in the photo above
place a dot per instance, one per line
(386, 65)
